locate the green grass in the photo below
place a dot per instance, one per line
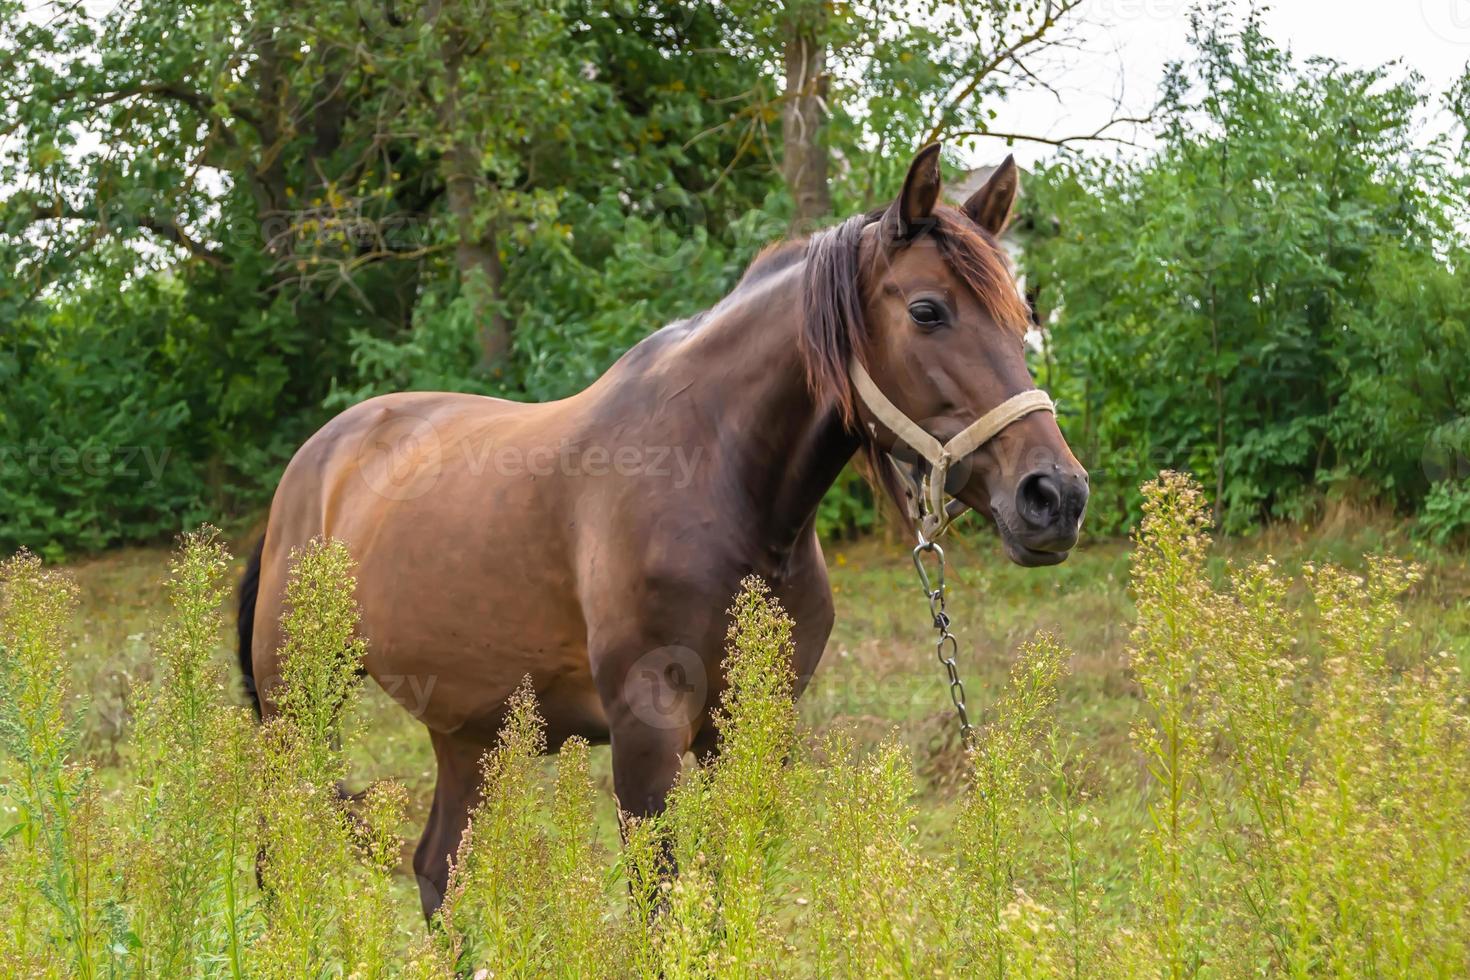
(878, 675)
(1095, 849)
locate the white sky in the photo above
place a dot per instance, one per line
(1133, 39)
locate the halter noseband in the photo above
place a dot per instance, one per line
(927, 505)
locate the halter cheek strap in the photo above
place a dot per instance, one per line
(933, 514)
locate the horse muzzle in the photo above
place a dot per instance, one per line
(1040, 522)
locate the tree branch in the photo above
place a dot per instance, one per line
(986, 69)
(173, 91)
(169, 230)
(1098, 135)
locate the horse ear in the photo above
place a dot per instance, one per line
(990, 206)
(912, 211)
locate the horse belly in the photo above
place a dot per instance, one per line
(453, 659)
(457, 616)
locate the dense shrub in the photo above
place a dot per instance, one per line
(1305, 778)
(1276, 299)
(324, 204)
(142, 403)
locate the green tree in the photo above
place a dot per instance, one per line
(214, 219)
(1275, 298)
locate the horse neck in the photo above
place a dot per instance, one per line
(782, 444)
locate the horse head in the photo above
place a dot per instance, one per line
(915, 322)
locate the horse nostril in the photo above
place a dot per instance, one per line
(1039, 500)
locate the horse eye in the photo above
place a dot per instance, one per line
(926, 313)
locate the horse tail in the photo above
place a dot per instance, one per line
(245, 623)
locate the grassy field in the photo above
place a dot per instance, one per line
(1195, 758)
(879, 676)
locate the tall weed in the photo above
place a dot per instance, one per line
(1309, 809)
(528, 890)
(186, 864)
(62, 918)
(323, 911)
(1006, 764)
(1301, 792)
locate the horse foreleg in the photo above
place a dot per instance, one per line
(646, 763)
(456, 792)
(652, 711)
(649, 711)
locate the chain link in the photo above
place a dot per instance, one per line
(947, 648)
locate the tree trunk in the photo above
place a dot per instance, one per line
(804, 152)
(476, 254)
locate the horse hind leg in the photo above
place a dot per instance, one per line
(456, 792)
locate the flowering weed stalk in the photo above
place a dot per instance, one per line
(62, 917)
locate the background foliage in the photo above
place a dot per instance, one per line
(1276, 299)
(219, 224)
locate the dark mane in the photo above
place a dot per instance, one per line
(833, 329)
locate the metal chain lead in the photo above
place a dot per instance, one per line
(946, 648)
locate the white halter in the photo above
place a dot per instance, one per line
(928, 507)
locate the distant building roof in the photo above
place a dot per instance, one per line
(958, 191)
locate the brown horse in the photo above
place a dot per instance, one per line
(595, 543)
